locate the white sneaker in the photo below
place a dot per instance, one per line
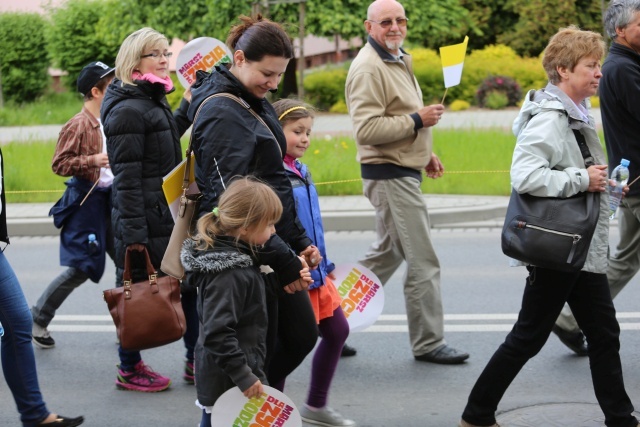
(41, 336)
(326, 416)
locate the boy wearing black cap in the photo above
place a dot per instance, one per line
(84, 209)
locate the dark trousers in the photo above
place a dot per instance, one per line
(291, 335)
(545, 293)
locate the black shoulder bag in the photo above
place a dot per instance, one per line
(551, 232)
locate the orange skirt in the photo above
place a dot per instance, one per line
(324, 300)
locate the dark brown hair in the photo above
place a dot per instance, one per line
(258, 37)
(101, 85)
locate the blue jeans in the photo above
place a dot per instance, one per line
(545, 293)
(206, 419)
(18, 360)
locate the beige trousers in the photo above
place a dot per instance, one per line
(403, 233)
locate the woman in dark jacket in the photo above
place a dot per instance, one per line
(143, 144)
(229, 141)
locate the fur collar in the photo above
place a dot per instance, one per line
(223, 256)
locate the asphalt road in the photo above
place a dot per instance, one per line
(381, 386)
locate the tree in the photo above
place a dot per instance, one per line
(24, 60)
(538, 21)
(491, 18)
(73, 39)
(437, 23)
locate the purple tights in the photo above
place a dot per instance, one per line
(334, 331)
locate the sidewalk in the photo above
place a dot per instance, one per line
(339, 213)
(325, 124)
(348, 213)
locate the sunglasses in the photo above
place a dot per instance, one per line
(386, 23)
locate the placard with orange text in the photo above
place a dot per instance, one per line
(272, 408)
(362, 295)
(202, 53)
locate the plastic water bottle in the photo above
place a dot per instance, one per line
(1, 330)
(93, 244)
(619, 176)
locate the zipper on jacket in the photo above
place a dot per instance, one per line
(575, 237)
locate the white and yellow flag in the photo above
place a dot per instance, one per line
(452, 58)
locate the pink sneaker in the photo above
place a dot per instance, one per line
(189, 372)
(142, 378)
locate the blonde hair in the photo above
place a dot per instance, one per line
(567, 47)
(246, 203)
(290, 110)
(133, 47)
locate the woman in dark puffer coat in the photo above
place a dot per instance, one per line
(143, 144)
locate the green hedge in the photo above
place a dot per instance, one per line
(23, 57)
(73, 39)
(324, 88)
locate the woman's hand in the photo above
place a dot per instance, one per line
(598, 182)
(312, 256)
(255, 390)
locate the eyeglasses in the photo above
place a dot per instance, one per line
(157, 55)
(386, 23)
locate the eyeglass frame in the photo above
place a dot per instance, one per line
(388, 23)
(157, 55)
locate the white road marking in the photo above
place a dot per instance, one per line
(386, 323)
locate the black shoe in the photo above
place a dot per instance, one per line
(41, 336)
(348, 351)
(61, 421)
(574, 340)
(443, 355)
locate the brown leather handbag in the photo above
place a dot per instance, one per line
(146, 314)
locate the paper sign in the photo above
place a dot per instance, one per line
(172, 185)
(202, 53)
(273, 408)
(362, 295)
(452, 58)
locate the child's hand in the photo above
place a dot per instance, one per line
(303, 282)
(331, 275)
(305, 274)
(255, 390)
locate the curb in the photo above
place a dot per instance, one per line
(462, 217)
(440, 218)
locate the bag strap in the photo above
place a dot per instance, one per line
(137, 247)
(584, 149)
(243, 103)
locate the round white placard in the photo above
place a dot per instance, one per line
(202, 53)
(362, 295)
(273, 408)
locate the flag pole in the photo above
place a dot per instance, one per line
(90, 191)
(444, 96)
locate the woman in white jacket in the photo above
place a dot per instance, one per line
(547, 162)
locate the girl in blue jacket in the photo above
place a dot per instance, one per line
(296, 119)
